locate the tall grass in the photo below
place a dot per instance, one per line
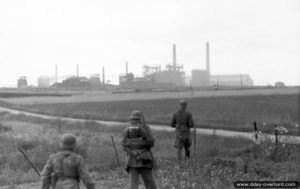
(218, 161)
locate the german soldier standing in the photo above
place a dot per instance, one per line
(65, 169)
(182, 121)
(137, 142)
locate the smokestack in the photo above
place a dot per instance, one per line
(56, 75)
(126, 67)
(77, 71)
(103, 75)
(174, 57)
(207, 59)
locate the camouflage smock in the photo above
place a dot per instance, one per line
(70, 168)
(138, 139)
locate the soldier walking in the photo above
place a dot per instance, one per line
(182, 121)
(137, 141)
(65, 169)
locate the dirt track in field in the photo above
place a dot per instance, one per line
(217, 132)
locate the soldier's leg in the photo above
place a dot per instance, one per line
(179, 154)
(187, 145)
(187, 152)
(178, 146)
(133, 178)
(148, 178)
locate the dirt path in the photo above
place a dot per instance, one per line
(218, 132)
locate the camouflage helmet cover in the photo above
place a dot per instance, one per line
(68, 141)
(136, 114)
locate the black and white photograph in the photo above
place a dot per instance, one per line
(160, 94)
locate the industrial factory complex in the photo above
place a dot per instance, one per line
(154, 77)
(174, 76)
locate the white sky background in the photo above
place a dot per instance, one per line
(256, 37)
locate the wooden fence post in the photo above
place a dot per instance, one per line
(255, 131)
(195, 141)
(276, 135)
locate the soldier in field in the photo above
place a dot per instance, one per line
(137, 141)
(182, 121)
(65, 169)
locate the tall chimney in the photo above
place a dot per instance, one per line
(174, 57)
(103, 75)
(56, 75)
(77, 70)
(207, 59)
(126, 67)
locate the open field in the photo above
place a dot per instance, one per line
(20, 95)
(108, 96)
(226, 112)
(218, 162)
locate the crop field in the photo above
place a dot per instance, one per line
(218, 161)
(226, 112)
(109, 96)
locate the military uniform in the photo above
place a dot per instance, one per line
(182, 121)
(64, 170)
(137, 141)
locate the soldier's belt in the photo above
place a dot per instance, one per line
(62, 178)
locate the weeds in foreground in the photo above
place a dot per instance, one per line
(218, 161)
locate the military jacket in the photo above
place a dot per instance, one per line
(138, 140)
(182, 121)
(68, 168)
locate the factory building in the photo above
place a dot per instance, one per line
(200, 78)
(95, 80)
(128, 81)
(43, 82)
(22, 82)
(231, 80)
(173, 78)
(154, 77)
(173, 75)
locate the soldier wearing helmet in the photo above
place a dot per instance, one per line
(182, 121)
(137, 141)
(65, 169)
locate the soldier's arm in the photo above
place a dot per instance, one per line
(149, 139)
(173, 121)
(46, 175)
(85, 175)
(191, 121)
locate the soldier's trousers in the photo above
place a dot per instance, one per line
(146, 174)
(183, 142)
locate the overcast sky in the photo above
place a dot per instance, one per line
(256, 37)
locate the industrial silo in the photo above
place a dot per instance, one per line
(95, 80)
(43, 82)
(200, 78)
(22, 82)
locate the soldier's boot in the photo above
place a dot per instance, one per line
(187, 155)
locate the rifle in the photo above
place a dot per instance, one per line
(26, 157)
(116, 152)
(155, 165)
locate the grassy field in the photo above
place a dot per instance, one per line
(108, 96)
(20, 95)
(227, 112)
(217, 164)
